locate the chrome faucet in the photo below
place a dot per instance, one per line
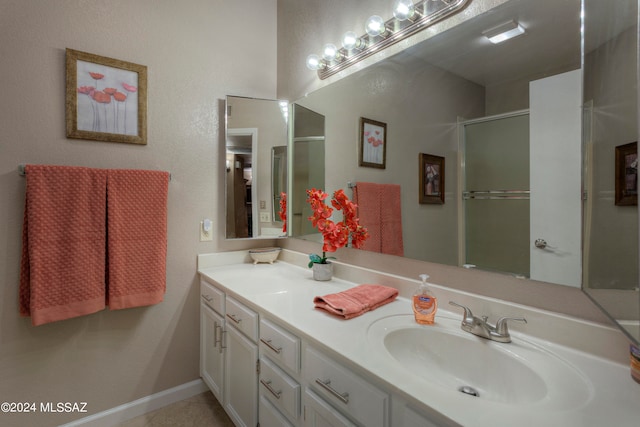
(480, 327)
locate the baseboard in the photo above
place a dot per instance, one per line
(141, 406)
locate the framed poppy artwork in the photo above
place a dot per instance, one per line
(106, 99)
(431, 179)
(627, 174)
(373, 144)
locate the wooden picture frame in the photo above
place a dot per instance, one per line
(431, 179)
(627, 174)
(373, 144)
(106, 99)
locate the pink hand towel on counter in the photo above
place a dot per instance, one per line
(62, 271)
(356, 301)
(137, 237)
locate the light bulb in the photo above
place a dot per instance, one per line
(403, 10)
(375, 26)
(351, 41)
(330, 52)
(315, 63)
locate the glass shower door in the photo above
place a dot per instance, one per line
(496, 193)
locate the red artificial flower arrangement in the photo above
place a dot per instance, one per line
(283, 211)
(335, 234)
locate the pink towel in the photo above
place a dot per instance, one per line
(137, 237)
(356, 301)
(380, 212)
(63, 243)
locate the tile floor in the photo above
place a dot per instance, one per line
(200, 410)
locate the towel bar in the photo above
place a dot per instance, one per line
(497, 194)
(22, 172)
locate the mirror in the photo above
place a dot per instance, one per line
(611, 125)
(428, 93)
(308, 167)
(278, 178)
(256, 131)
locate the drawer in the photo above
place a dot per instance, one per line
(280, 345)
(212, 296)
(317, 412)
(346, 390)
(279, 388)
(243, 318)
(270, 416)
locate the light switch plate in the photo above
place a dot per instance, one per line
(206, 236)
(265, 217)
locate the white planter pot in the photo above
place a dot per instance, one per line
(322, 272)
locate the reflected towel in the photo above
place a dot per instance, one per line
(380, 212)
(137, 237)
(62, 270)
(356, 301)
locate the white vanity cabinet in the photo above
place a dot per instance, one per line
(229, 353)
(280, 389)
(211, 338)
(241, 378)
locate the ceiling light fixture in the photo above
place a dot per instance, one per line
(380, 34)
(503, 32)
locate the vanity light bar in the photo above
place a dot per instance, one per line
(408, 19)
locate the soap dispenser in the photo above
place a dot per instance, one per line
(424, 303)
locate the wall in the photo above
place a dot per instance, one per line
(196, 54)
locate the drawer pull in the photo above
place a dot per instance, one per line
(278, 350)
(217, 337)
(267, 385)
(207, 297)
(222, 332)
(234, 318)
(215, 334)
(344, 397)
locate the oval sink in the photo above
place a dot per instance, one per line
(450, 359)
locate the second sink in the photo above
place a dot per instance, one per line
(444, 356)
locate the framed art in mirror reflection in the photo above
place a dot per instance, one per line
(627, 174)
(373, 144)
(431, 179)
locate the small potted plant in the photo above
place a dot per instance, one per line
(335, 234)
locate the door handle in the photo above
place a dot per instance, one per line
(540, 243)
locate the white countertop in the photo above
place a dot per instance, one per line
(285, 293)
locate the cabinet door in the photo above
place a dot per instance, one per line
(318, 413)
(241, 378)
(211, 350)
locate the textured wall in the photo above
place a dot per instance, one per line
(196, 54)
